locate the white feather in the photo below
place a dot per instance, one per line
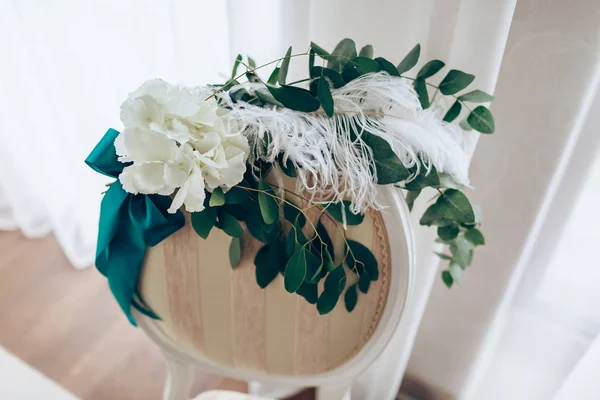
(332, 167)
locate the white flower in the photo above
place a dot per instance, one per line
(176, 140)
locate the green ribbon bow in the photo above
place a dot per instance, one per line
(128, 225)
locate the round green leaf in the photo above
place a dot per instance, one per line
(327, 302)
(325, 97)
(429, 69)
(344, 50)
(366, 51)
(295, 270)
(447, 233)
(335, 78)
(235, 251)
(388, 166)
(336, 280)
(455, 206)
(410, 60)
(476, 96)
(269, 208)
(265, 270)
(360, 258)
(462, 251)
(309, 291)
(482, 120)
(455, 81)
(387, 66)
(350, 298)
(474, 236)
(433, 217)
(203, 221)
(335, 210)
(235, 195)
(230, 225)
(365, 65)
(447, 278)
(295, 98)
(217, 198)
(453, 112)
(364, 282)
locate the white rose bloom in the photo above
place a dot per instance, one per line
(176, 140)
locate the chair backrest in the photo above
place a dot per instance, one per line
(219, 317)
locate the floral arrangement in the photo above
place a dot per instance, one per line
(221, 152)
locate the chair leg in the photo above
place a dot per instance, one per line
(333, 392)
(179, 379)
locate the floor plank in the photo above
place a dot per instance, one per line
(65, 323)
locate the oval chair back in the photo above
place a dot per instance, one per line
(219, 319)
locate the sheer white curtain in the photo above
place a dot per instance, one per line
(66, 66)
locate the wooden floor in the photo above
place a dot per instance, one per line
(65, 323)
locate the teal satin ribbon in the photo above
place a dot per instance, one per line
(128, 225)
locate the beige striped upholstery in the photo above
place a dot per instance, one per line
(212, 311)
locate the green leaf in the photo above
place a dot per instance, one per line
(447, 278)
(295, 98)
(455, 81)
(278, 257)
(265, 270)
(462, 251)
(314, 267)
(321, 52)
(453, 112)
(235, 195)
(411, 196)
(252, 77)
(424, 179)
(365, 65)
(325, 97)
(327, 302)
(269, 208)
(295, 270)
(482, 120)
(324, 236)
(251, 62)
(454, 205)
(476, 96)
(335, 210)
(349, 72)
(475, 236)
(290, 213)
(448, 233)
(273, 77)
(336, 281)
(335, 78)
(410, 60)
(433, 217)
(455, 272)
(235, 251)
(443, 256)
(345, 50)
(217, 198)
(311, 60)
(429, 69)
(309, 291)
(236, 64)
(366, 51)
(328, 260)
(230, 225)
(350, 298)
(267, 99)
(421, 89)
(360, 258)
(464, 124)
(387, 66)
(388, 166)
(364, 281)
(285, 64)
(287, 167)
(203, 221)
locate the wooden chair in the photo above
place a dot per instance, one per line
(217, 318)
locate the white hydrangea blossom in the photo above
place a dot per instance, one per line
(177, 140)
